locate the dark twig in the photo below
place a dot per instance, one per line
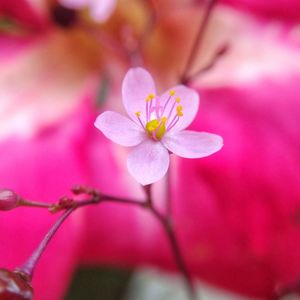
(198, 40)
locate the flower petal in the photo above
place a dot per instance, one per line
(56, 79)
(137, 85)
(31, 13)
(74, 4)
(120, 129)
(189, 100)
(192, 144)
(148, 162)
(102, 10)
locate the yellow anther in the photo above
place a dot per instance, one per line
(161, 130)
(138, 114)
(151, 126)
(172, 92)
(177, 100)
(179, 111)
(150, 97)
(156, 127)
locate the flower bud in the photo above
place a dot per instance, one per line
(14, 286)
(8, 199)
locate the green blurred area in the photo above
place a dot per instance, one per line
(98, 283)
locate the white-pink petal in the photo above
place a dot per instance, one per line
(192, 144)
(189, 100)
(120, 129)
(74, 4)
(101, 10)
(137, 85)
(148, 162)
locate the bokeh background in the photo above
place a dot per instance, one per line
(236, 213)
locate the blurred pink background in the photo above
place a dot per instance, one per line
(237, 213)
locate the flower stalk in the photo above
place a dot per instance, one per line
(30, 265)
(167, 226)
(69, 205)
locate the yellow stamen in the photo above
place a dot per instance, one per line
(157, 127)
(150, 97)
(161, 129)
(177, 100)
(138, 114)
(172, 92)
(151, 126)
(179, 111)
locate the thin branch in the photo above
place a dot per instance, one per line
(198, 40)
(70, 205)
(169, 230)
(218, 54)
(24, 202)
(169, 208)
(29, 266)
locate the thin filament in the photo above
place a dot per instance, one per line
(173, 122)
(166, 104)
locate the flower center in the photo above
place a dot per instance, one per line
(156, 128)
(160, 118)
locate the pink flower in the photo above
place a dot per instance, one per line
(99, 10)
(156, 126)
(276, 9)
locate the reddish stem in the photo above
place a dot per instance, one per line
(29, 266)
(71, 205)
(24, 202)
(167, 225)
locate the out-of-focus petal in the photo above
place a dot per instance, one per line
(137, 85)
(189, 100)
(43, 83)
(11, 46)
(256, 50)
(43, 168)
(102, 10)
(75, 4)
(30, 13)
(276, 9)
(249, 190)
(192, 144)
(120, 129)
(148, 162)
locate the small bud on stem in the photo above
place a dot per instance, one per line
(8, 199)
